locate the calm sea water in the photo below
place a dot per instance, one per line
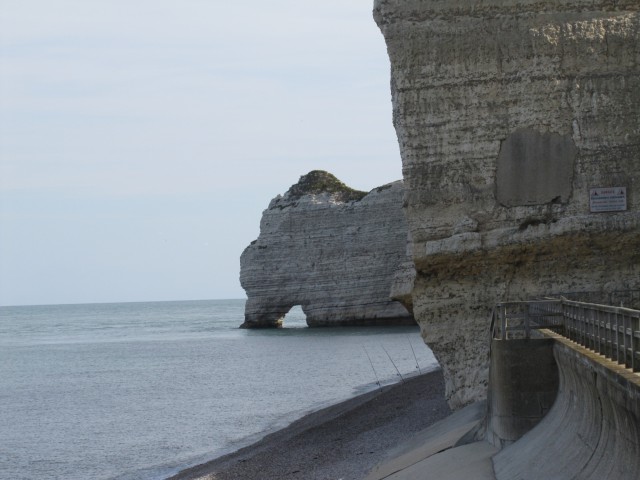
(142, 390)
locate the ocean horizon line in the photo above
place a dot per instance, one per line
(65, 304)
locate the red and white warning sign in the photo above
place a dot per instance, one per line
(608, 199)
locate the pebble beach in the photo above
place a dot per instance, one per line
(343, 441)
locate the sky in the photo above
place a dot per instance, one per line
(140, 140)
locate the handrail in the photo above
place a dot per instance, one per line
(610, 331)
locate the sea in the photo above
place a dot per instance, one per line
(142, 390)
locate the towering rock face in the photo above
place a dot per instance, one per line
(331, 249)
(519, 128)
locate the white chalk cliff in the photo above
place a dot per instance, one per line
(509, 113)
(332, 250)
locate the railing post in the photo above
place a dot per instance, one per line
(620, 329)
(597, 332)
(635, 327)
(585, 337)
(624, 340)
(607, 334)
(492, 325)
(617, 342)
(593, 337)
(587, 328)
(503, 322)
(576, 322)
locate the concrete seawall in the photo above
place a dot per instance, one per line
(555, 409)
(591, 432)
(523, 385)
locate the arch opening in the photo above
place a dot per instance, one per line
(295, 318)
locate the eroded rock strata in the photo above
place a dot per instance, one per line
(508, 114)
(330, 249)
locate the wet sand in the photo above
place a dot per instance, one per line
(343, 441)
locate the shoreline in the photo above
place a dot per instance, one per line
(344, 440)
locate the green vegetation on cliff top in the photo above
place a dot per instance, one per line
(319, 181)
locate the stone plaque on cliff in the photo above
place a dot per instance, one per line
(610, 199)
(535, 168)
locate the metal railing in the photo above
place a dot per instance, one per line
(620, 298)
(510, 320)
(610, 331)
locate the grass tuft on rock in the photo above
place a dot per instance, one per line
(319, 181)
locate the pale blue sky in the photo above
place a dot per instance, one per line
(141, 140)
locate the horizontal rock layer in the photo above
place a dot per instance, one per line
(507, 114)
(330, 249)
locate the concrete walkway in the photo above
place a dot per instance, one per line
(441, 453)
